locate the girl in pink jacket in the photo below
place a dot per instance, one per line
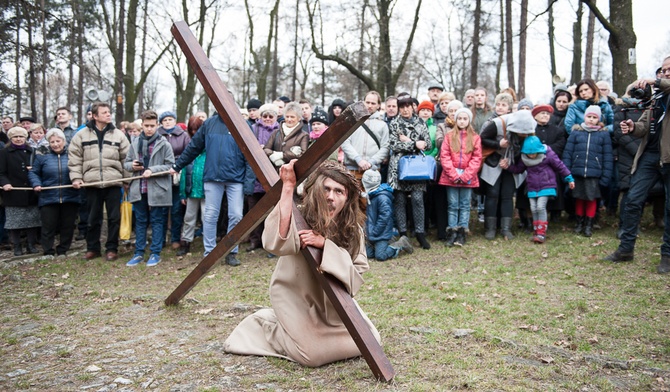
(460, 157)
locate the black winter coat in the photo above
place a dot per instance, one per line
(553, 136)
(14, 166)
(626, 145)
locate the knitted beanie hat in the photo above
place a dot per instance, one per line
(593, 109)
(463, 110)
(427, 105)
(168, 113)
(526, 102)
(254, 104)
(371, 180)
(319, 116)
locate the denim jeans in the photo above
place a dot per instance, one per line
(144, 215)
(458, 206)
(213, 194)
(646, 174)
(176, 213)
(381, 251)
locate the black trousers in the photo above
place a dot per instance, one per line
(100, 200)
(58, 218)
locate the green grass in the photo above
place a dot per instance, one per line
(537, 311)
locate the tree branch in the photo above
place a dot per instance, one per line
(601, 18)
(350, 67)
(408, 48)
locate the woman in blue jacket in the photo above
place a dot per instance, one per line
(58, 207)
(589, 94)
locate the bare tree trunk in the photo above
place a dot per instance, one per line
(509, 44)
(323, 62)
(275, 60)
(143, 56)
(521, 92)
(588, 53)
(361, 48)
(32, 79)
(622, 40)
(80, 52)
(129, 77)
(474, 65)
(552, 50)
(71, 59)
(501, 49)
(118, 63)
(577, 47)
(295, 48)
(45, 57)
(17, 60)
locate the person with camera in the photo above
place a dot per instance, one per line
(654, 129)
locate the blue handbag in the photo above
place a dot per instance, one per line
(416, 168)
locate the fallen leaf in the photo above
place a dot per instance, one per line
(59, 284)
(496, 295)
(545, 254)
(523, 326)
(211, 276)
(467, 283)
(546, 359)
(560, 316)
(451, 297)
(541, 282)
(66, 275)
(484, 272)
(597, 243)
(204, 311)
(532, 291)
(593, 340)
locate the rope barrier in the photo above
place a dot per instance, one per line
(127, 179)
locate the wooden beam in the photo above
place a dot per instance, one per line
(350, 119)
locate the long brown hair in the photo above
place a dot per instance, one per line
(345, 229)
(592, 85)
(469, 138)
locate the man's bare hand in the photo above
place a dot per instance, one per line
(76, 184)
(364, 165)
(146, 174)
(310, 238)
(627, 126)
(173, 171)
(287, 173)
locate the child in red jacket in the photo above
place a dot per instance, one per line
(460, 157)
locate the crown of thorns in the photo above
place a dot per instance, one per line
(337, 167)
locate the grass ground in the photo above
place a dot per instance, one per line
(549, 317)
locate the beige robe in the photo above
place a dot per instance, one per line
(302, 325)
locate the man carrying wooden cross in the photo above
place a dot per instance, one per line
(303, 325)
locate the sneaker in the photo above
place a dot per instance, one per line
(153, 260)
(232, 260)
(480, 217)
(135, 261)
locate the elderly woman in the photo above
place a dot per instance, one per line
(408, 136)
(442, 102)
(265, 126)
(289, 141)
(58, 207)
(20, 206)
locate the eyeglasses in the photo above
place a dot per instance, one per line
(665, 70)
(268, 116)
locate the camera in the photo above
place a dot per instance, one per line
(643, 94)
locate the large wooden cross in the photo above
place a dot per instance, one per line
(340, 130)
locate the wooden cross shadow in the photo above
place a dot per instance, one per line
(350, 119)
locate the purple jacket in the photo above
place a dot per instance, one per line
(541, 176)
(178, 140)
